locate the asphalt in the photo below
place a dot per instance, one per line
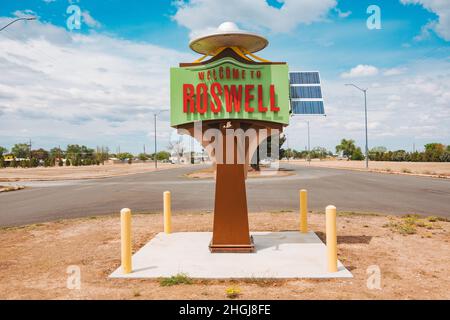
(347, 190)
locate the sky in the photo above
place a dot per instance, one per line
(101, 84)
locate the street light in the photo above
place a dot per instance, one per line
(14, 21)
(309, 145)
(365, 114)
(156, 148)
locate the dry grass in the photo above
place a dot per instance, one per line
(34, 260)
(408, 224)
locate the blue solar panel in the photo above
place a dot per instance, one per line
(307, 107)
(310, 77)
(306, 92)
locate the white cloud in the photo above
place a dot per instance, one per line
(394, 71)
(89, 20)
(202, 15)
(342, 14)
(68, 86)
(361, 70)
(442, 9)
(25, 14)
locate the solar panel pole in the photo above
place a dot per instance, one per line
(365, 116)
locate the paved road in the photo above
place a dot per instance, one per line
(348, 190)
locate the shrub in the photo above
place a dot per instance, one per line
(34, 162)
(180, 278)
(233, 293)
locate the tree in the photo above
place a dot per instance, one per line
(40, 154)
(73, 153)
(357, 154)
(289, 153)
(177, 148)
(79, 155)
(143, 156)
(347, 147)
(21, 150)
(33, 162)
(101, 155)
(319, 152)
(56, 155)
(163, 155)
(3, 151)
(124, 156)
(434, 151)
(379, 149)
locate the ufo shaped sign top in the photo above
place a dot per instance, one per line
(228, 35)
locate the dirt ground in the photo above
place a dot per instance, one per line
(413, 256)
(436, 169)
(73, 173)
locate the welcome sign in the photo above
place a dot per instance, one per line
(229, 89)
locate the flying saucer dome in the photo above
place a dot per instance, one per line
(228, 35)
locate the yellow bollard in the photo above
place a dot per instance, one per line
(125, 230)
(167, 213)
(303, 211)
(331, 238)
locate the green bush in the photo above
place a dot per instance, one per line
(357, 154)
(34, 162)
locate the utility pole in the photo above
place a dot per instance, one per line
(309, 145)
(365, 116)
(156, 147)
(192, 151)
(29, 149)
(288, 151)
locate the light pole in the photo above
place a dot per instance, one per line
(365, 115)
(309, 145)
(14, 21)
(156, 147)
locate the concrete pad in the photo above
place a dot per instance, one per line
(278, 255)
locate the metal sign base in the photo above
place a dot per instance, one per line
(231, 230)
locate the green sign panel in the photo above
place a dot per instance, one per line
(228, 89)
